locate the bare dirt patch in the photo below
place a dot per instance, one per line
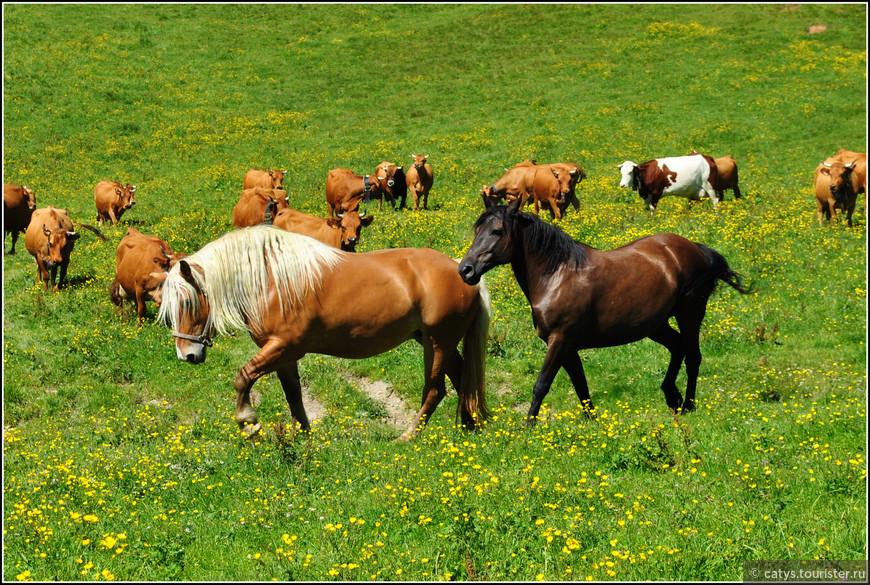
(398, 413)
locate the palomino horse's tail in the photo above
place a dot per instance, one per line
(472, 391)
(718, 269)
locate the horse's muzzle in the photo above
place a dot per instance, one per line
(468, 273)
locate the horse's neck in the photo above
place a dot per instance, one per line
(530, 278)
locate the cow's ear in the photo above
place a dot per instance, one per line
(117, 192)
(825, 171)
(365, 221)
(515, 206)
(333, 223)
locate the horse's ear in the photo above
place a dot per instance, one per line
(515, 206)
(186, 272)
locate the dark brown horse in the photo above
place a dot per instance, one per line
(296, 295)
(583, 298)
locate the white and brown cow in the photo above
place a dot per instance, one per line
(419, 179)
(258, 205)
(342, 232)
(689, 176)
(270, 179)
(836, 185)
(18, 206)
(140, 267)
(726, 176)
(112, 200)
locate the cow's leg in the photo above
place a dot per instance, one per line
(433, 389)
(41, 274)
(667, 336)
(271, 356)
(416, 198)
(821, 211)
(112, 216)
(289, 377)
(425, 198)
(574, 367)
(141, 309)
(14, 239)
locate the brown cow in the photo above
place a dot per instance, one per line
(50, 239)
(258, 205)
(345, 190)
(836, 187)
(419, 179)
(726, 175)
(515, 183)
(141, 263)
(18, 206)
(342, 232)
(272, 179)
(554, 186)
(112, 200)
(859, 168)
(393, 184)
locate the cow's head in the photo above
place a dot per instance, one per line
(279, 197)
(277, 177)
(630, 176)
(490, 196)
(419, 160)
(126, 196)
(568, 175)
(386, 174)
(30, 196)
(163, 264)
(59, 243)
(350, 223)
(840, 176)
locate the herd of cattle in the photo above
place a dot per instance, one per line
(144, 260)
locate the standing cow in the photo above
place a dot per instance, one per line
(554, 187)
(859, 165)
(18, 206)
(393, 184)
(271, 179)
(140, 267)
(836, 186)
(50, 239)
(688, 176)
(517, 182)
(342, 232)
(112, 200)
(419, 180)
(726, 175)
(258, 205)
(345, 190)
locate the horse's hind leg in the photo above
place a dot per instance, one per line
(289, 377)
(672, 340)
(264, 362)
(574, 367)
(433, 389)
(690, 330)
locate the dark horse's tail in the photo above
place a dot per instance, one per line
(705, 281)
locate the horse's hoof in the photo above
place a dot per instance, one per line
(688, 406)
(253, 431)
(405, 438)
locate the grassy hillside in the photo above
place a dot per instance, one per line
(122, 462)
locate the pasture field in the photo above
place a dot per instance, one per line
(120, 462)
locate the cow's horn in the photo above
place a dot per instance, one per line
(827, 164)
(574, 172)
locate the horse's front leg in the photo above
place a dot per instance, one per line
(289, 376)
(268, 359)
(552, 363)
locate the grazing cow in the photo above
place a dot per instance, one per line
(258, 205)
(836, 186)
(112, 200)
(345, 190)
(268, 179)
(393, 184)
(554, 186)
(141, 264)
(726, 176)
(18, 206)
(50, 239)
(342, 232)
(859, 167)
(517, 182)
(687, 176)
(419, 179)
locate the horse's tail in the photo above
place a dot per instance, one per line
(472, 390)
(705, 281)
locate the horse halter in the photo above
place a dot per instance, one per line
(202, 339)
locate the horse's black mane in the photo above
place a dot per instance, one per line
(554, 246)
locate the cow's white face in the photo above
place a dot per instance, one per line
(627, 170)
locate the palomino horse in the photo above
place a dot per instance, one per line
(583, 298)
(296, 295)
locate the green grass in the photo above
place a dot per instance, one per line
(122, 462)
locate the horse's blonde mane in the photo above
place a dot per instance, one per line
(235, 271)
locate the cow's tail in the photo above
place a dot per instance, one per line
(704, 281)
(472, 388)
(92, 228)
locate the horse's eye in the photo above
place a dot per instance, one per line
(498, 232)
